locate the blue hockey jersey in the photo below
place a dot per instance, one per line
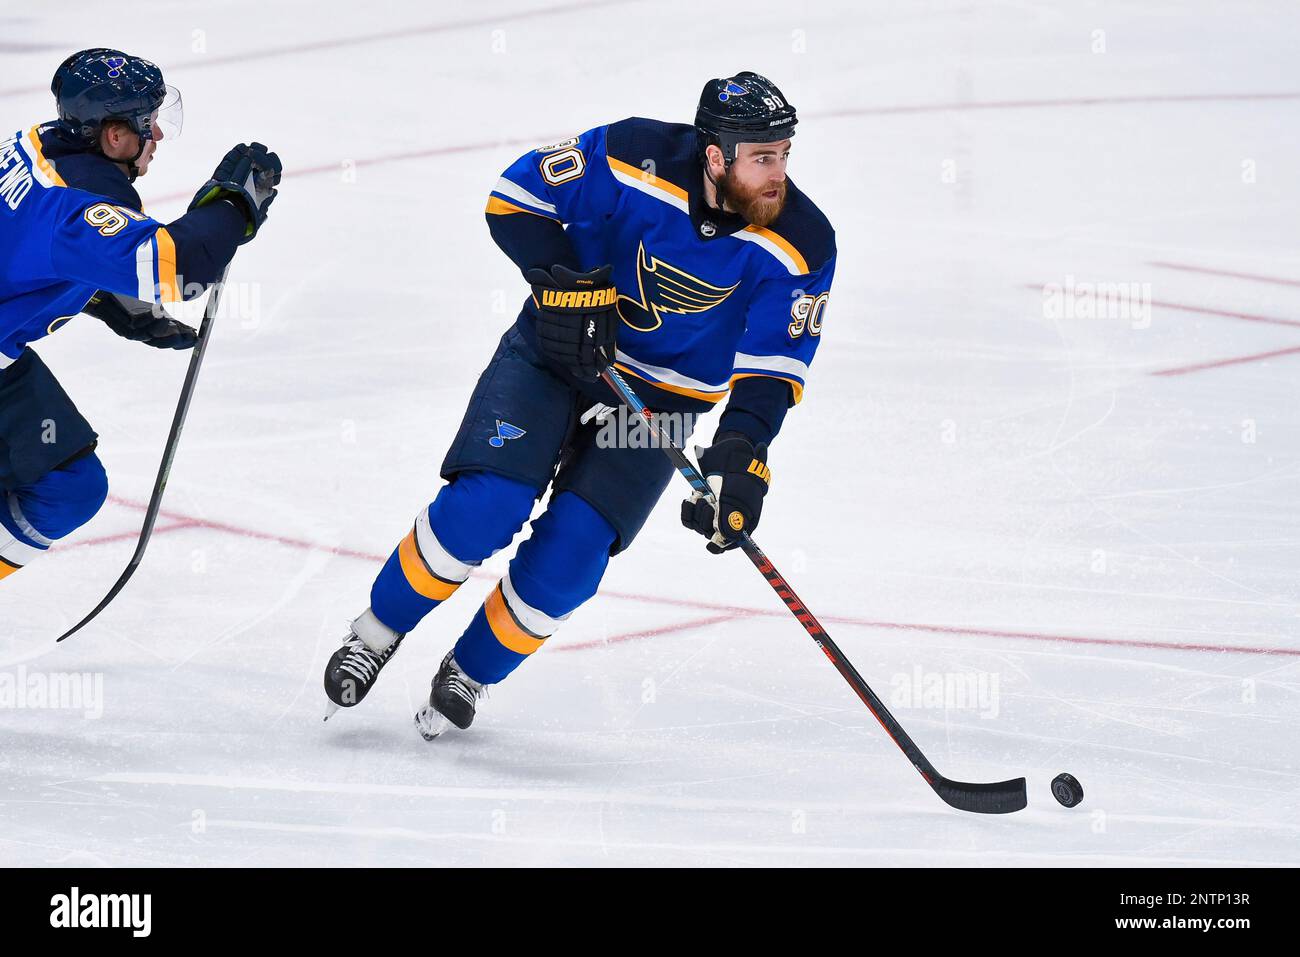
(60, 244)
(706, 299)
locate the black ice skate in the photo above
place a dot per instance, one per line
(451, 701)
(355, 667)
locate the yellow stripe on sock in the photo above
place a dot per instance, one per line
(508, 631)
(417, 573)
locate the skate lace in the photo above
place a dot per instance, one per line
(361, 662)
(463, 686)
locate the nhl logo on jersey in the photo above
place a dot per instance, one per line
(708, 229)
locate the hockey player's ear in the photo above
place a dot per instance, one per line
(113, 140)
(713, 158)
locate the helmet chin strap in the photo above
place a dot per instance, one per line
(133, 171)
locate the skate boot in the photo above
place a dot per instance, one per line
(353, 669)
(451, 701)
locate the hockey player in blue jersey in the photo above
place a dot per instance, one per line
(683, 255)
(74, 239)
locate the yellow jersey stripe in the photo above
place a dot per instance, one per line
(712, 397)
(168, 291)
(795, 385)
(649, 179)
(41, 161)
(496, 206)
(783, 243)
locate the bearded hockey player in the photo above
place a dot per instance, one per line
(691, 263)
(73, 239)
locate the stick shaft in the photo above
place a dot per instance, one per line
(782, 588)
(169, 454)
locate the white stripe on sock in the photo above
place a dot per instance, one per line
(440, 561)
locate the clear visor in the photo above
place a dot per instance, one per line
(167, 119)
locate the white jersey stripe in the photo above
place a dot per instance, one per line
(637, 183)
(33, 162)
(786, 364)
(668, 376)
(144, 263)
(779, 254)
(520, 195)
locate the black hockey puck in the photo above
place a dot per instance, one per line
(1066, 789)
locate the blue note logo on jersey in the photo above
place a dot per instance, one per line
(115, 65)
(667, 289)
(733, 89)
(505, 431)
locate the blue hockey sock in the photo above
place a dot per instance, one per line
(59, 502)
(557, 569)
(474, 515)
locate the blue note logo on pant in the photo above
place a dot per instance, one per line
(505, 431)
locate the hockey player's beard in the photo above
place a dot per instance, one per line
(751, 204)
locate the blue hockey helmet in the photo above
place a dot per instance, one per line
(745, 108)
(102, 84)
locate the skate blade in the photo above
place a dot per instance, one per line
(330, 709)
(430, 723)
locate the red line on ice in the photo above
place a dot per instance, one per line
(1249, 317)
(1253, 277)
(728, 612)
(1203, 310)
(336, 166)
(1068, 102)
(651, 632)
(1219, 363)
(132, 535)
(189, 521)
(314, 46)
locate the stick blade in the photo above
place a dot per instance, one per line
(1002, 797)
(112, 593)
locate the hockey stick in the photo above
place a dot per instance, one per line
(169, 453)
(999, 798)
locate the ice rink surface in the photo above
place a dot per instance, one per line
(1092, 521)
